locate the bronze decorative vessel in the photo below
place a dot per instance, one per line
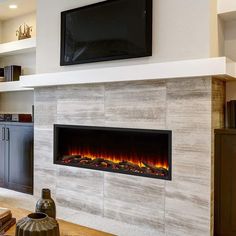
(46, 204)
(37, 224)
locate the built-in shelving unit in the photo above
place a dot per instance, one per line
(16, 47)
(227, 37)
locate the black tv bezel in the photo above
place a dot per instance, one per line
(167, 132)
(148, 35)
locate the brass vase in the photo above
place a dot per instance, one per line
(37, 224)
(46, 204)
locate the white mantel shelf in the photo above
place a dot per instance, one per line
(218, 67)
(20, 46)
(14, 86)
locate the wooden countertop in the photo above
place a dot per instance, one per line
(66, 228)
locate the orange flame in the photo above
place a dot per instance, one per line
(118, 158)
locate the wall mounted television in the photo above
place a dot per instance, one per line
(108, 30)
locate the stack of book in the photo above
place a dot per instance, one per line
(231, 114)
(2, 79)
(12, 73)
(6, 220)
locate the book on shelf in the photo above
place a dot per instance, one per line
(12, 73)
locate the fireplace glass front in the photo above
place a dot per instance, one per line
(139, 152)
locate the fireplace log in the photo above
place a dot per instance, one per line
(65, 158)
(108, 164)
(111, 164)
(157, 170)
(104, 164)
(126, 165)
(151, 167)
(97, 161)
(134, 166)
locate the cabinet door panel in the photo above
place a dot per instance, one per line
(2, 154)
(20, 158)
(226, 185)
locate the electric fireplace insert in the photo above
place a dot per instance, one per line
(139, 152)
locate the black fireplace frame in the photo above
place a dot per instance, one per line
(168, 132)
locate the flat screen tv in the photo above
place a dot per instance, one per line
(108, 30)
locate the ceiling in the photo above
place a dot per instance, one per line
(24, 7)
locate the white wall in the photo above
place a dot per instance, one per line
(0, 31)
(181, 30)
(9, 27)
(27, 61)
(214, 40)
(17, 102)
(230, 39)
(221, 37)
(226, 6)
(230, 51)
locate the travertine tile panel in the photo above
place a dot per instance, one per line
(187, 203)
(218, 104)
(135, 103)
(43, 138)
(187, 206)
(45, 94)
(80, 189)
(135, 200)
(44, 177)
(45, 107)
(189, 88)
(80, 201)
(80, 105)
(45, 114)
(196, 169)
(81, 179)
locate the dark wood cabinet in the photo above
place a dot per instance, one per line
(16, 157)
(225, 183)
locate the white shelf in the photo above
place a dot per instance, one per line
(16, 47)
(227, 9)
(218, 67)
(13, 86)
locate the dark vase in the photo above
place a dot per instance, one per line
(37, 224)
(46, 204)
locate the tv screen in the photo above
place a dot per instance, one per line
(109, 30)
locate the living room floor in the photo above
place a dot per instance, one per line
(18, 204)
(16, 199)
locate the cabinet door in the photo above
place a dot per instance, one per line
(20, 158)
(2, 154)
(225, 185)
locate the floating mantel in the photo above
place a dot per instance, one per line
(14, 86)
(218, 67)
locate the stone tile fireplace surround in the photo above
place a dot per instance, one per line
(190, 107)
